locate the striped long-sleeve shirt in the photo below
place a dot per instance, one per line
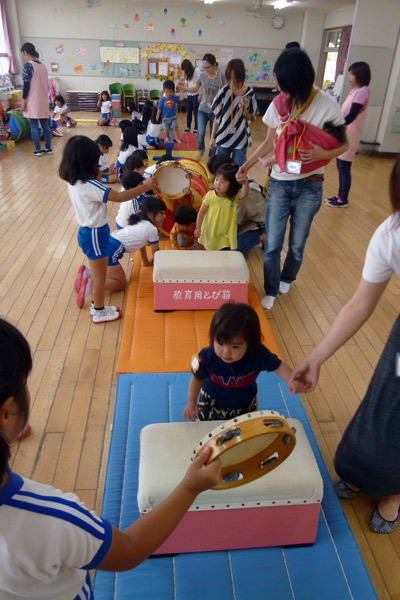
(233, 129)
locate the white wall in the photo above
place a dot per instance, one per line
(339, 17)
(64, 19)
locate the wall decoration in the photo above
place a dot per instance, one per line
(147, 14)
(59, 48)
(165, 11)
(183, 22)
(191, 12)
(150, 28)
(221, 22)
(81, 51)
(200, 32)
(78, 69)
(127, 26)
(208, 16)
(163, 68)
(136, 17)
(93, 67)
(68, 58)
(54, 67)
(112, 26)
(173, 32)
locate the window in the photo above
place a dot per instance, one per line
(329, 54)
(3, 50)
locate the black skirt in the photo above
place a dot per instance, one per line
(368, 455)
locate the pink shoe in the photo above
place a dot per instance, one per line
(80, 299)
(78, 279)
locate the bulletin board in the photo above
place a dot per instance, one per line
(119, 59)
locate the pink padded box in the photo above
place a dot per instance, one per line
(278, 509)
(197, 280)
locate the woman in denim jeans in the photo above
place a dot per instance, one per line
(292, 194)
(209, 82)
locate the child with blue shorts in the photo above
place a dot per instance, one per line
(106, 175)
(105, 105)
(79, 167)
(167, 110)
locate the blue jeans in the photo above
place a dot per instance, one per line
(192, 107)
(44, 124)
(344, 168)
(247, 240)
(238, 155)
(299, 201)
(202, 119)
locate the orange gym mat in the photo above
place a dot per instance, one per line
(165, 342)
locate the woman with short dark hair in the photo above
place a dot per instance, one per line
(192, 98)
(354, 110)
(296, 192)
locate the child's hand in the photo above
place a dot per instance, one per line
(212, 144)
(150, 183)
(197, 232)
(199, 476)
(191, 411)
(241, 177)
(264, 161)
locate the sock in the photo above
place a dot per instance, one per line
(268, 302)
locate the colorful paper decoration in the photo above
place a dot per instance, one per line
(183, 22)
(78, 69)
(127, 26)
(209, 16)
(191, 12)
(200, 33)
(147, 14)
(93, 67)
(81, 51)
(150, 28)
(173, 32)
(165, 11)
(68, 58)
(221, 22)
(113, 26)
(136, 17)
(59, 48)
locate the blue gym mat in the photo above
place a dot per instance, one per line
(332, 568)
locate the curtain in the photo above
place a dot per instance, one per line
(343, 50)
(12, 63)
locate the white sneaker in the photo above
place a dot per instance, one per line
(107, 314)
(267, 302)
(93, 310)
(284, 287)
(68, 124)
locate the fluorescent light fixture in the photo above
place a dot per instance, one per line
(279, 4)
(208, 1)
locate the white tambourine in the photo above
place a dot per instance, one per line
(173, 180)
(248, 446)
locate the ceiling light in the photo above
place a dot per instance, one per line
(279, 4)
(208, 1)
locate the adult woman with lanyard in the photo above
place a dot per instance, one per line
(354, 110)
(35, 97)
(292, 194)
(210, 83)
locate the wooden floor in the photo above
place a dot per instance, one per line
(73, 383)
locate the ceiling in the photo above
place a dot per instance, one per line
(323, 5)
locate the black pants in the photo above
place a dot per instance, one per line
(344, 168)
(192, 106)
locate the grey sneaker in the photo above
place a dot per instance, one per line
(93, 310)
(107, 314)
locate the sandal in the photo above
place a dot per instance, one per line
(379, 525)
(343, 490)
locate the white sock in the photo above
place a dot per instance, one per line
(268, 302)
(284, 287)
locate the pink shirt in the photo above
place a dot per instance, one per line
(355, 128)
(37, 102)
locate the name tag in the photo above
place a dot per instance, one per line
(231, 130)
(293, 167)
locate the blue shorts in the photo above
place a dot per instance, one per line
(94, 241)
(153, 141)
(104, 179)
(106, 116)
(115, 252)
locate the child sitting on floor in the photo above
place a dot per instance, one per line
(132, 110)
(129, 145)
(123, 124)
(182, 233)
(216, 227)
(106, 175)
(225, 372)
(62, 109)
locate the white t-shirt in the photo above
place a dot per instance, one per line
(123, 154)
(48, 542)
(106, 106)
(322, 109)
(103, 166)
(126, 209)
(134, 237)
(90, 202)
(149, 171)
(154, 130)
(192, 82)
(60, 109)
(383, 254)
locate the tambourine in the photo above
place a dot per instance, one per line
(248, 446)
(173, 180)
